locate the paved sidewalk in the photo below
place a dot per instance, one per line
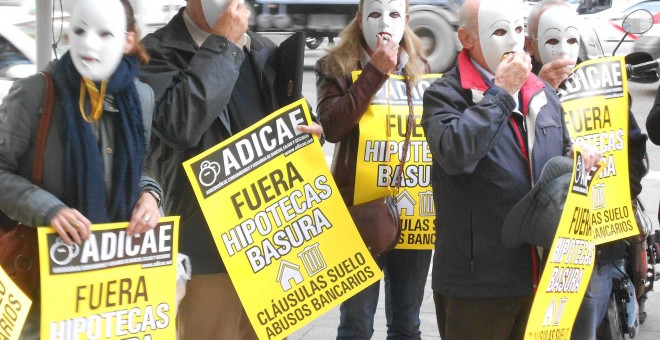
(325, 327)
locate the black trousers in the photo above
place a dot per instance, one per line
(482, 318)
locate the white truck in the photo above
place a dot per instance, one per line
(434, 21)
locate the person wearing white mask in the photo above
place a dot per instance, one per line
(212, 78)
(97, 138)
(379, 42)
(491, 125)
(553, 40)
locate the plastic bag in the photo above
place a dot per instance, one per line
(183, 273)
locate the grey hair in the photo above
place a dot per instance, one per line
(467, 20)
(535, 13)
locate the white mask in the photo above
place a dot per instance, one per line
(558, 34)
(501, 30)
(212, 10)
(387, 18)
(98, 36)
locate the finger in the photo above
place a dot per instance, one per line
(379, 41)
(68, 230)
(57, 226)
(311, 129)
(136, 229)
(134, 222)
(132, 226)
(84, 225)
(148, 222)
(72, 229)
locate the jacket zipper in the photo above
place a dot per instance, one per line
(471, 244)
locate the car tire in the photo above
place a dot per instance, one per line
(437, 37)
(313, 42)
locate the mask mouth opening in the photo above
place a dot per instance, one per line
(506, 54)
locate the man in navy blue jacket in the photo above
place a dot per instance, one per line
(491, 125)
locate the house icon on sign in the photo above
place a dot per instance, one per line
(289, 271)
(405, 202)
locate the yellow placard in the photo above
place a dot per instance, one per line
(113, 286)
(595, 101)
(281, 227)
(382, 136)
(14, 308)
(570, 261)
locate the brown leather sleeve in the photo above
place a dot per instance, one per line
(341, 103)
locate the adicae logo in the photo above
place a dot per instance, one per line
(208, 173)
(61, 253)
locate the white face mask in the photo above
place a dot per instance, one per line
(212, 10)
(98, 36)
(501, 31)
(558, 35)
(386, 18)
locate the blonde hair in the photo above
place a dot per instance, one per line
(346, 54)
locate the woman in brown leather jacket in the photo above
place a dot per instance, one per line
(378, 42)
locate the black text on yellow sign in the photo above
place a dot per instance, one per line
(381, 147)
(570, 261)
(279, 223)
(14, 307)
(113, 286)
(595, 102)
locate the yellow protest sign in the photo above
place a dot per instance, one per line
(14, 308)
(382, 136)
(281, 227)
(113, 286)
(595, 101)
(569, 264)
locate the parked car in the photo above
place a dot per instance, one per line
(649, 42)
(607, 22)
(17, 56)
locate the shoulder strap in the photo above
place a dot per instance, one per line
(398, 176)
(44, 125)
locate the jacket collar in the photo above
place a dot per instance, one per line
(471, 79)
(176, 36)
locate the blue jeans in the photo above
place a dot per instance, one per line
(594, 305)
(405, 274)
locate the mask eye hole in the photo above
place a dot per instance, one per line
(572, 41)
(519, 29)
(552, 42)
(499, 32)
(395, 15)
(374, 15)
(78, 31)
(106, 34)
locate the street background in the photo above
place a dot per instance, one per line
(325, 327)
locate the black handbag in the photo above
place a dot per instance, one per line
(378, 221)
(19, 246)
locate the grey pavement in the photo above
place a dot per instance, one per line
(325, 327)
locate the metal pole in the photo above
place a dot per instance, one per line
(44, 32)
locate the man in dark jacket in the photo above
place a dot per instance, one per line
(491, 125)
(553, 42)
(653, 120)
(211, 78)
